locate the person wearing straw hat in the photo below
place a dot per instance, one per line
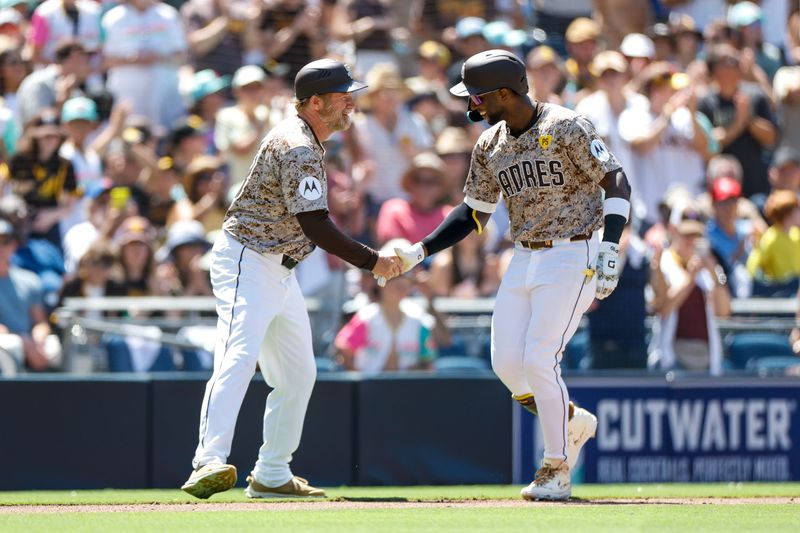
(387, 134)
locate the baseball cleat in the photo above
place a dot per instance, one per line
(296, 487)
(210, 479)
(580, 429)
(552, 482)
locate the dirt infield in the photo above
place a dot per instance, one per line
(339, 504)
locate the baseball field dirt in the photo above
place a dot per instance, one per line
(674, 507)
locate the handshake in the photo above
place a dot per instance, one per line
(404, 259)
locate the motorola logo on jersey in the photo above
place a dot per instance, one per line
(310, 188)
(536, 174)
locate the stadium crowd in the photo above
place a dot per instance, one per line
(126, 128)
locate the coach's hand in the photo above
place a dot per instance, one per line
(608, 268)
(387, 267)
(410, 255)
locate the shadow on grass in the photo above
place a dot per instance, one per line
(383, 499)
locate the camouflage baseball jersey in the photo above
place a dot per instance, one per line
(286, 178)
(549, 176)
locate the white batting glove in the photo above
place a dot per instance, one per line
(608, 269)
(411, 255)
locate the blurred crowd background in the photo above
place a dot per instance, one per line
(126, 128)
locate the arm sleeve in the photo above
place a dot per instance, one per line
(318, 227)
(458, 224)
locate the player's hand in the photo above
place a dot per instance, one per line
(410, 255)
(387, 267)
(608, 268)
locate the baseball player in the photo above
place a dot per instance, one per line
(554, 172)
(276, 219)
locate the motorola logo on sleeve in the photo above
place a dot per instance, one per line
(310, 188)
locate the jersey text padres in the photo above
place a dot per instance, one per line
(549, 176)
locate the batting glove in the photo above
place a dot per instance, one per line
(410, 255)
(608, 268)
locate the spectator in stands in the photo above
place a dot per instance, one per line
(746, 19)
(222, 35)
(687, 40)
(741, 116)
(639, 51)
(14, 23)
(793, 38)
(617, 332)
(204, 183)
(581, 37)
(35, 254)
(163, 190)
(24, 329)
(776, 258)
(426, 186)
(455, 149)
(703, 12)
(466, 270)
(241, 126)
(386, 134)
(94, 277)
(544, 74)
(468, 40)
(79, 120)
(53, 85)
(206, 97)
(618, 18)
(690, 292)
(605, 105)
(292, 33)
(12, 72)
(180, 271)
(727, 166)
(186, 140)
(143, 48)
(368, 23)
(135, 238)
(787, 100)
(389, 334)
(56, 21)
(433, 59)
(729, 236)
(100, 222)
(667, 142)
(42, 177)
(784, 173)
(664, 42)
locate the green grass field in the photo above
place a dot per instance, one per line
(669, 507)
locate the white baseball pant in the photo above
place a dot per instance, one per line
(262, 318)
(538, 308)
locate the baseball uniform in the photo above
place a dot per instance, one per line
(550, 178)
(262, 313)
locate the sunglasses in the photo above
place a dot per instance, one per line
(476, 98)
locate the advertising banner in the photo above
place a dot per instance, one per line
(650, 430)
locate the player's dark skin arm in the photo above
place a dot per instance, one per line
(616, 185)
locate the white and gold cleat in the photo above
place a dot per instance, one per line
(210, 479)
(552, 482)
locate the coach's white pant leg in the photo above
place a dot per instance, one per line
(288, 366)
(249, 293)
(561, 293)
(510, 324)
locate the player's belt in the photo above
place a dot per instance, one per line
(538, 245)
(289, 262)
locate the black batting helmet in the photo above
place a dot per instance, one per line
(491, 70)
(324, 76)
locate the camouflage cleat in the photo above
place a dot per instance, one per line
(296, 487)
(210, 479)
